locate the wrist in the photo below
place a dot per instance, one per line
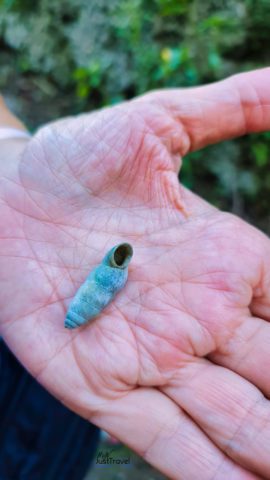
(11, 150)
(7, 119)
(13, 138)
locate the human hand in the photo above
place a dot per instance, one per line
(177, 366)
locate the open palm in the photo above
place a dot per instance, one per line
(177, 366)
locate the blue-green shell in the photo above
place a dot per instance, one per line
(100, 287)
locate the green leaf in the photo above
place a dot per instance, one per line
(82, 90)
(261, 153)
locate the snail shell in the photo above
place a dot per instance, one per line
(100, 287)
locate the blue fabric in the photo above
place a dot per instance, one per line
(40, 439)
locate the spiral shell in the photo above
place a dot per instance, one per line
(100, 287)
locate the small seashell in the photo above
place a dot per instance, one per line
(100, 287)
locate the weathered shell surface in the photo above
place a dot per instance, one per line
(100, 287)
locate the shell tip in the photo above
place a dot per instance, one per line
(67, 325)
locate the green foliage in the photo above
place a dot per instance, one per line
(73, 55)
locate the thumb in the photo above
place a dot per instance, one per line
(209, 114)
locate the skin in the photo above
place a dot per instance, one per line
(177, 367)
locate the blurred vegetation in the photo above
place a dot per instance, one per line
(64, 57)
